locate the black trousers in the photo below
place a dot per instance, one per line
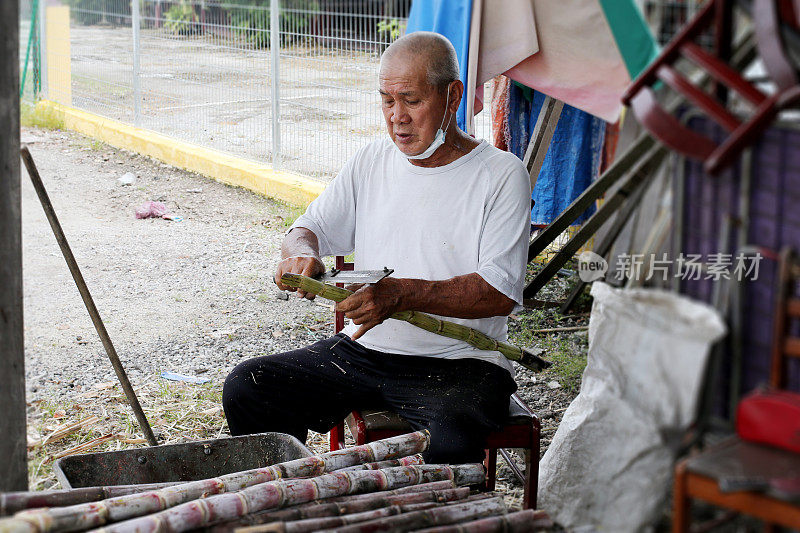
(460, 401)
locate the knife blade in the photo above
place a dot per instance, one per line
(354, 276)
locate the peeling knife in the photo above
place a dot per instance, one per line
(354, 276)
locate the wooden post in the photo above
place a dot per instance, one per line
(13, 467)
(680, 500)
(542, 135)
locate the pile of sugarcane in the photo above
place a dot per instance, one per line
(380, 486)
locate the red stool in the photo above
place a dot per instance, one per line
(522, 430)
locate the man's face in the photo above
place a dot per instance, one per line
(412, 108)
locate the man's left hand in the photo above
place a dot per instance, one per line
(371, 304)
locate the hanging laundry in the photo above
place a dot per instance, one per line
(572, 161)
(452, 19)
(610, 143)
(500, 95)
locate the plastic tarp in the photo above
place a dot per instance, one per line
(610, 462)
(452, 19)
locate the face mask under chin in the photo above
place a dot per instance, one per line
(438, 140)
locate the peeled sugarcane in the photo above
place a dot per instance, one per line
(374, 500)
(448, 514)
(427, 322)
(317, 524)
(518, 522)
(204, 512)
(94, 514)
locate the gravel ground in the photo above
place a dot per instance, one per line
(193, 297)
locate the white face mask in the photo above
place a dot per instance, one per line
(438, 140)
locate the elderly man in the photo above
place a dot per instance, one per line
(451, 216)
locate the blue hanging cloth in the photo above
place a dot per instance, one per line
(451, 18)
(572, 161)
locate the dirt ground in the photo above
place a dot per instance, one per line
(193, 297)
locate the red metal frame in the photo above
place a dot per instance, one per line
(525, 436)
(769, 17)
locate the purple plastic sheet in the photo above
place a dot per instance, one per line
(774, 213)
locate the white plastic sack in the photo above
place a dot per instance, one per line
(610, 462)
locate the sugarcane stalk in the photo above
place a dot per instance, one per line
(316, 524)
(448, 514)
(381, 499)
(12, 502)
(427, 322)
(284, 492)
(374, 500)
(402, 461)
(518, 522)
(95, 514)
(423, 487)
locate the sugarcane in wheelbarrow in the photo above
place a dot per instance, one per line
(427, 322)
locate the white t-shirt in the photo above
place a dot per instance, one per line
(472, 215)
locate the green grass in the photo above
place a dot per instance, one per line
(565, 350)
(290, 213)
(87, 143)
(32, 116)
(568, 362)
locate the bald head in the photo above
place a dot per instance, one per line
(430, 49)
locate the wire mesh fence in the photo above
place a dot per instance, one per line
(209, 72)
(666, 17)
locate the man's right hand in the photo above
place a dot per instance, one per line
(306, 266)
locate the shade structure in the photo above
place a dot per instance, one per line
(582, 52)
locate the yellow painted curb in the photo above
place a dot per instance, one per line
(260, 178)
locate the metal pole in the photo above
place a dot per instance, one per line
(43, 47)
(13, 434)
(87, 297)
(137, 91)
(275, 51)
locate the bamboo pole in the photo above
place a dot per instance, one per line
(94, 514)
(204, 512)
(427, 322)
(373, 500)
(448, 514)
(88, 301)
(519, 522)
